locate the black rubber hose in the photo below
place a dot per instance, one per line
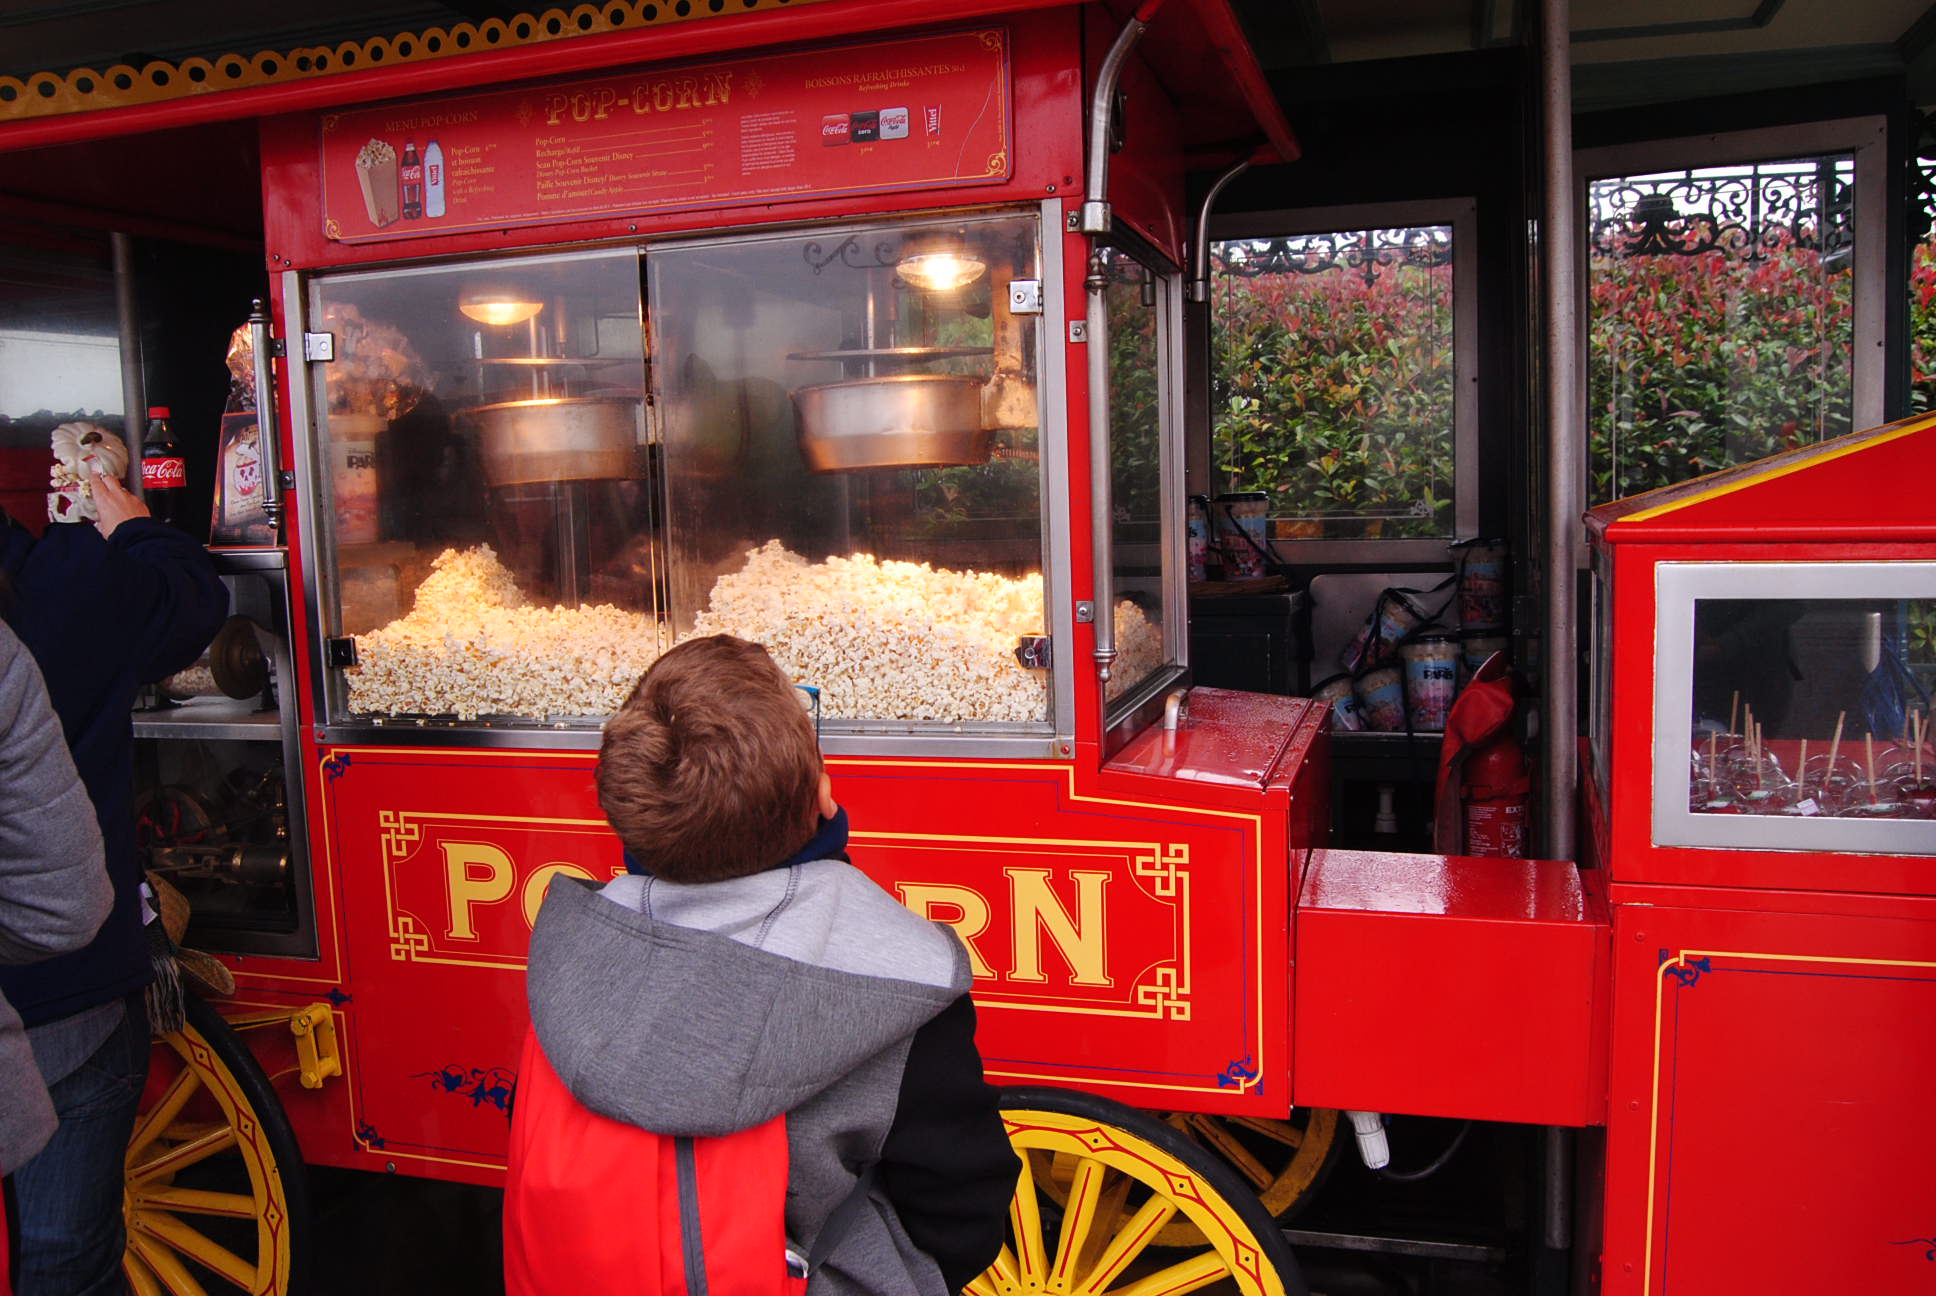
(1433, 1166)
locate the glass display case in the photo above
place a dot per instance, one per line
(1798, 695)
(536, 474)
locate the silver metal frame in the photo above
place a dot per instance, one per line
(1134, 710)
(236, 723)
(1676, 587)
(1866, 138)
(864, 738)
(1462, 215)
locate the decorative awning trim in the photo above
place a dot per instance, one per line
(53, 94)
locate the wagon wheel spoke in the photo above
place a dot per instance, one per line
(195, 1201)
(140, 1276)
(1078, 1216)
(1220, 1140)
(1131, 1240)
(1278, 1131)
(169, 1271)
(205, 1251)
(1109, 1217)
(1190, 1275)
(183, 1155)
(1025, 1220)
(164, 1112)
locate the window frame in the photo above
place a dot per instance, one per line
(1866, 138)
(1462, 215)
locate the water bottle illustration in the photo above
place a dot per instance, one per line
(433, 165)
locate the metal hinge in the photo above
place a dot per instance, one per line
(1073, 221)
(319, 346)
(1079, 330)
(1085, 612)
(278, 347)
(1025, 297)
(1033, 651)
(316, 1056)
(339, 653)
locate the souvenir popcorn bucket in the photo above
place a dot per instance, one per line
(1242, 530)
(1199, 538)
(1475, 648)
(1431, 678)
(1381, 697)
(1337, 694)
(1392, 618)
(352, 475)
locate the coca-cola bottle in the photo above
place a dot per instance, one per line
(412, 177)
(164, 473)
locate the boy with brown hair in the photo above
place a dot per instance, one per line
(743, 969)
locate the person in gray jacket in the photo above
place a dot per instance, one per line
(743, 969)
(54, 889)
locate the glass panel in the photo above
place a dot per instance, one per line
(1332, 380)
(213, 818)
(60, 352)
(1136, 449)
(487, 478)
(852, 462)
(1813, 707)
(1721, 317)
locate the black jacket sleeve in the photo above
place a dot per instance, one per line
(172, 600)
(946, 1164)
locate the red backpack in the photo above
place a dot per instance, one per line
(593, 1205)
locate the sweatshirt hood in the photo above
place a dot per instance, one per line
(708, 1009)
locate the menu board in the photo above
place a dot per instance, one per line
(922, 112)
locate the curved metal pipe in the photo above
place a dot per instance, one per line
(1199, 290)
(1102, 507)
(1095, 216)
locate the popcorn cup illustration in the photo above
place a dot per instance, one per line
(376, 172)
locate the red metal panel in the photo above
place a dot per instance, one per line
(1450, 986)
(1768, 1099)
(1128, 945)
(1631, 850)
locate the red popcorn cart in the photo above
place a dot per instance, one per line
(857, 328)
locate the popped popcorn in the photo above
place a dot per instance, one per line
(882, 640)
(889, 640)
(470, 646)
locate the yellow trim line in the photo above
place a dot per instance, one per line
(1743, 482)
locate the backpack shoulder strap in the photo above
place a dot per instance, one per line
(841, 1220)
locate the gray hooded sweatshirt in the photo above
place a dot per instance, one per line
(708, 1009)
(54, 889)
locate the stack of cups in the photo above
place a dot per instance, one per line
(1482, 600)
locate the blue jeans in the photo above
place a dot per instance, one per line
(69, 1196)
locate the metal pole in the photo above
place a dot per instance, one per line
(1565, 491)
(1565, 437)
(134, 394)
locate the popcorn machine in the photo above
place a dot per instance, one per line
(828, 332)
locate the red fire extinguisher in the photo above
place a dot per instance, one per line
(1484, 787)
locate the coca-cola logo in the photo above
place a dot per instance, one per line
(164, 474)
(835, 129)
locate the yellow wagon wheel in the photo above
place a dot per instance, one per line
(217, 1196)
(1129, 1176)
(1283, 1161)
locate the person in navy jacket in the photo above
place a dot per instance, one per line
(104, 609)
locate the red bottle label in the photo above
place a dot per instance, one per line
(164, 474)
